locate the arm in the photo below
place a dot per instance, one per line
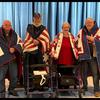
(53, 46)
(18, 47)
(90, 38)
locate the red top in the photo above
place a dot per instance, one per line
(66, 54)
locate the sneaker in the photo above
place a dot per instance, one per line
(97, 94)
(14, 93)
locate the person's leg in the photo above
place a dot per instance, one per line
(3, 71)
(94, 69)
(59, 72)
(25, 68)
(39, 58)
(13, 77)
(84, 66)
(32, 60)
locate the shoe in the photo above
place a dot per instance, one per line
(97, 94)
(14, 93)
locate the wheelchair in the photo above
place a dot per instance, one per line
(38, 79)
(67, 80)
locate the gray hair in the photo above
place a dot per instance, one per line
(65, 23)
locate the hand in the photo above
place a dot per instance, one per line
(90, 38)
(52, 53)
(36, 42)
(12, 50)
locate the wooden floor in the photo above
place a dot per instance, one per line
(73, 94)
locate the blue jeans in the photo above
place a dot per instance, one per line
(86, 67)
(11, 68)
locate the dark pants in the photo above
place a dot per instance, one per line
(11, 68)
(36, 58)
(30, 59)
(64, 70)
(90, 66)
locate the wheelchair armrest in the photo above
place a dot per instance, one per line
(39, 65)
(66, 66)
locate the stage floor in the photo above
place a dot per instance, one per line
(73, 94)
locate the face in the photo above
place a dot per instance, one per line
(7, 25)
(89, 24)
(65, 28)
(37, 21)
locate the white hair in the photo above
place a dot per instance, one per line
(65, 23)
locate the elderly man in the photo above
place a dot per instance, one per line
(89, 53)
(10, 46)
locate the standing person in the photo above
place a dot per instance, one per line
(63, 49)
(10, 46)
(36, 42)
(89, 54)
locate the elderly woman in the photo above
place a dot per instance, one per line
(64, 51)
(63, 46)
